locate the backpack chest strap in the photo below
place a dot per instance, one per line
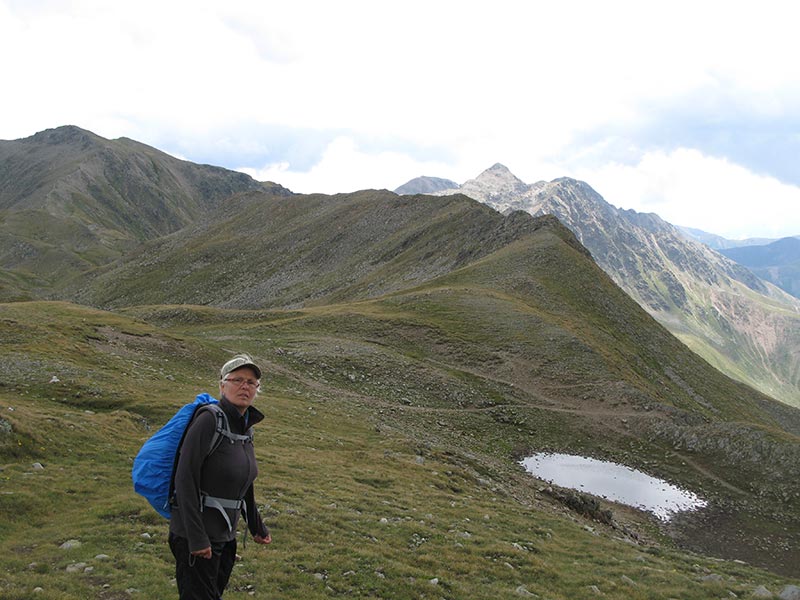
(236, 437)
(221, 504)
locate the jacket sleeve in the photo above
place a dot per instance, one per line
(254, 522)
(188, 475)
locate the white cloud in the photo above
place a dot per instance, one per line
(502, 81)
(345, 168)
(684, 187)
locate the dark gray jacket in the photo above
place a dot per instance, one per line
(228, 473)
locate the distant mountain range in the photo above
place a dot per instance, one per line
(747, 328)
(778, 262)
(717, 242)
(426, 185)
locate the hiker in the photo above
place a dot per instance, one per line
(212, 490)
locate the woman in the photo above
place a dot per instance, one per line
(212, 490)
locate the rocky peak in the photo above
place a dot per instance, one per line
(499, 177)
(496, 186)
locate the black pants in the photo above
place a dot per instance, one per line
(202, 578)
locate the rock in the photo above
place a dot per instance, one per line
(102, 557)
(790, 592)
(712, 577)
(37, 590)
(70, 544)
(434, 581)
(761, 592)
(595, 590)
(54, 379)
(523, 591)
(628, 580)
(76, 567)
(37, 466)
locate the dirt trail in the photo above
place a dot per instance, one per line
(548, 404)
(711, 475)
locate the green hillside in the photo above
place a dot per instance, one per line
(388, 457)
(272, 250)
(71, 200)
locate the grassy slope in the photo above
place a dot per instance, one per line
(764, 361)
(268, 250)
(360, 504)
(388, 453)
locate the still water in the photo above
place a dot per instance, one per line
(614, 482)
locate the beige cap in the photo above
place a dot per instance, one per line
(237, 362)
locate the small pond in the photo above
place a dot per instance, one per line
(613, 482)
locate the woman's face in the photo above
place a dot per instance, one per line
(240, 387)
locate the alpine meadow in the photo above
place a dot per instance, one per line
(415, 349)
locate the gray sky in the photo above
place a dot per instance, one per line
(690, 110)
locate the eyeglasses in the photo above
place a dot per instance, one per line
(240, 381)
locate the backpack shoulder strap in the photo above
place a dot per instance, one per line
(223, 429)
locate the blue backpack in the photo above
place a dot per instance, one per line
(154, 465)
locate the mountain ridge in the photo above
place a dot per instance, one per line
(71, 200)
(719, 308)
(316, 248)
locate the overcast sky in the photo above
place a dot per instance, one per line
(689, 109)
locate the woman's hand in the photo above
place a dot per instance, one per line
(204, 553)
(262, 540)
